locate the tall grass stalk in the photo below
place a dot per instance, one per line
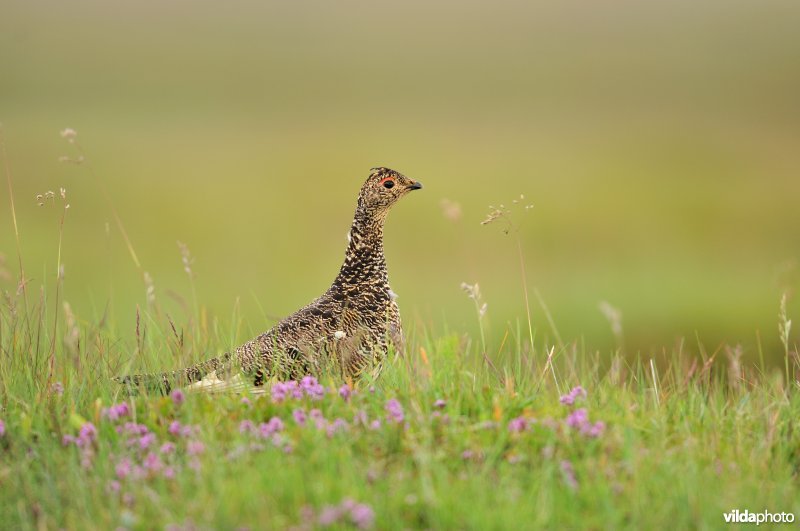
(7, 166)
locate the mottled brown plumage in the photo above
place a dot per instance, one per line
(350, 326)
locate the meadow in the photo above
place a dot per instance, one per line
(460, 432)
(613, 350)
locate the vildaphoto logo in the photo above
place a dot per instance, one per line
(765, 517)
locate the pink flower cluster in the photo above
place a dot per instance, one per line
(579, 420)
(394, 411)
(519, 424)
(308, 386)
(570, 398)
(348, 511)
(116, 412)
(84, 441)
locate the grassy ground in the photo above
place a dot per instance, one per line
(447, 438)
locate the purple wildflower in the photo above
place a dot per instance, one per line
(66, 440)
(2, 428)
(195, 448)
(131, 428)
(116, 411)
(246, 401)
(570, 398)
(152, 462)
(440, 404)
(246, 426)
(518, 425)
(362, 516)
(312, 387)
(319, 420)
(299, 416)
(595, 430)
(114, 486)
(167, 448)
(86, 435)
(345, 392)
(578, 418)
(375, 425)
(174, 428)
(394, 411)
(177, 397)
(123, 469)
(466, 455)
(268, 429)
(147, 440)
(169, 472)
(282, 390)
(569, 475)
(57, 388)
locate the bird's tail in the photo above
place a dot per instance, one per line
(164, 382)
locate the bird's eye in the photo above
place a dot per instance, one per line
(388, 183)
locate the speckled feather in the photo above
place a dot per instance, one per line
(350, 326)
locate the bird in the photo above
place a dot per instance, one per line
(349, 328)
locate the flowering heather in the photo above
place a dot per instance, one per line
(167, 448)
(175, 428)
(299, 416)
(312, 388)
(116, 411)
(268, 429)
(579, 420)
(359, 515)
(280, 391)
(518, 425)
(345, 392)
(195, 448)
(123, 468)
(86, 435)
(570, 398)
(133, 429)
(307, 387)
(394, 411)
(177, 397)
(146, 441)
(152, 462)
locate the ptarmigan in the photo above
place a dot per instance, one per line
(348, 327)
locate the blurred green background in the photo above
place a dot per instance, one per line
(659, 143)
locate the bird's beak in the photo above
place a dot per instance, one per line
(416, 185)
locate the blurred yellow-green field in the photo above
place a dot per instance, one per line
(659, 143)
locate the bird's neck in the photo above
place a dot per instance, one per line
(364, 261)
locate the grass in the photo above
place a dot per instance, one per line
(457, 434)
(495, 452)
(464, 431)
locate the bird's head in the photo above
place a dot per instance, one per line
(382, 189)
